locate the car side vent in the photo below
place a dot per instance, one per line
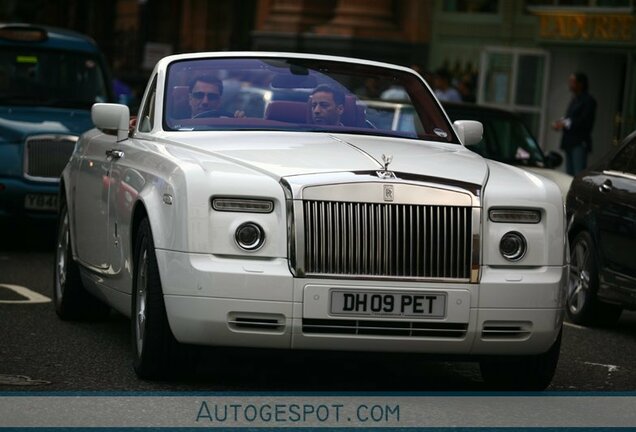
(506, 330)
(256, 322)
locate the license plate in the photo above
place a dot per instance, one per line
(40, 202)
(424, 305)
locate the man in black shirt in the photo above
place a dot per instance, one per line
(205, 98)
(577, 124)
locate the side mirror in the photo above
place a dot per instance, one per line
(470, 132)
(553, 160)
(112, 119)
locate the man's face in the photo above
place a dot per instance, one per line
(573, 84)
(324, 110)
(204, 97)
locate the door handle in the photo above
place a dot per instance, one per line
(115, 154)
(606, 186)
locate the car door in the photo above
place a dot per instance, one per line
(91, 202)
(126, 182)
(617, 225)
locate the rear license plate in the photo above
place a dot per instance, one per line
(40, 202)
(424, 305)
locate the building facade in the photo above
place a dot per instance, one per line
(511, 53)
(524, 51)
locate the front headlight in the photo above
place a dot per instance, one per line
(249, 236)
(513, 246)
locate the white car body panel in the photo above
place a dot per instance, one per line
(562, 179)
(208, 280)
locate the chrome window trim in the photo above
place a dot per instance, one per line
(621, 174)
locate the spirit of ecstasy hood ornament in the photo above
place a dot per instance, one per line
(387, 159)
(386, 174)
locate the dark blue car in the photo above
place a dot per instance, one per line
(49, 79)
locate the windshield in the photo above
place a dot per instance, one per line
(51, 78)
(300, 95)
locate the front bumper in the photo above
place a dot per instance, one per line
(220, 301)
(14, 191)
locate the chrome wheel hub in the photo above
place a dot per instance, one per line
(61, 258)
(579, 284)
(140, 304)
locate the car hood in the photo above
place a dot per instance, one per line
(563, 180)
(283, 154)
(18, 123)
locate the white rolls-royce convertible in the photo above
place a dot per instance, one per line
(304, 225)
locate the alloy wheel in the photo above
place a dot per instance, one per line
(61, 257)
(140, 304)
(579, 284)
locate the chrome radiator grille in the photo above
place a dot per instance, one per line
(46, 156)
(395, 240)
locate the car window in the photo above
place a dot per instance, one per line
(515, 143)
(625, 159)
(282, 94)
(62, 79)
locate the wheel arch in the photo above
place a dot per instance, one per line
(139, 214)
(63, 200)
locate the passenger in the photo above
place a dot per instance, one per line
(327, 105)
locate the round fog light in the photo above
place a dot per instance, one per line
(513, 246)
(249, 236)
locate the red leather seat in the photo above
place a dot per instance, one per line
(353, 114)
(287, 111)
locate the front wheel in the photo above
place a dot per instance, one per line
(532, 372)
(155, 349)
(583, 306)
(71, 300)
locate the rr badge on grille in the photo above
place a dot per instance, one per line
(388, 193)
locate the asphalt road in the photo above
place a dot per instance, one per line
(42, 353)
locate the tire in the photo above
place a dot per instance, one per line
(71, 300)
(157, 354)
(582, 305)
(521, 373)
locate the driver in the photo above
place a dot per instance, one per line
(205, 98)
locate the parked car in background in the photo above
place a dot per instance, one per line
(49, 79)
(280, 232)
(507, 139)
(601, 210)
